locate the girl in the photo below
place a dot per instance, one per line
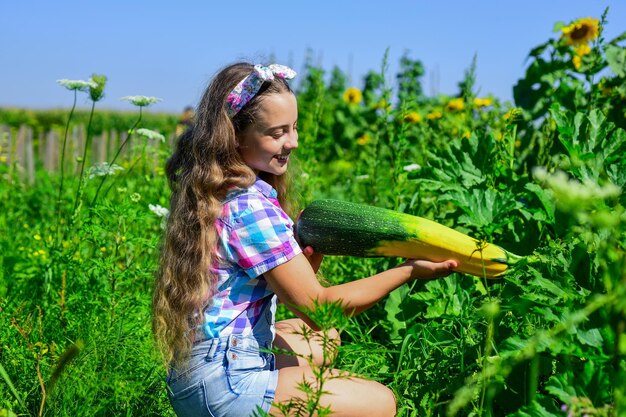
(229, 253)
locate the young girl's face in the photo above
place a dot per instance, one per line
(267, 144)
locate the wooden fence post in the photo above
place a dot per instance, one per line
(102, 147)
(5, 149)
(52, 151)
(30, 156)
(113, 144)
(95, 155)
(20, 139)
(23, 153)
(125, 152)
(5, 143)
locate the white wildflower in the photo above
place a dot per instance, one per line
(158, 210)
(151, 134)
(79, 85)
(141, 101)
(412, 167)
(361, 177)
(571, 194)
(100, 170)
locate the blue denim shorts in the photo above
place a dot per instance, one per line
(229, 376)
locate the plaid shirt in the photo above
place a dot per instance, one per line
(254, 236)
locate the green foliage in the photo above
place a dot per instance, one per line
(544, 179)
(45, 120)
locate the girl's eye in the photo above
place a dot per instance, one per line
(278, 134)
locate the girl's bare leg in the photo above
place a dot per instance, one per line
(345, 395)
(289, 337)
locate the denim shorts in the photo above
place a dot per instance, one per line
(228, 376)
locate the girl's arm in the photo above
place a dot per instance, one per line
(295, 284)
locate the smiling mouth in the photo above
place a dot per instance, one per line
(282, 158)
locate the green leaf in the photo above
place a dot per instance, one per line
(562, 391)
(485, 209)
(616, 58)
(617, 175)
(565, 128)
(394, 311)
(538, 50)
(533, 410)
(546, 201)
(590, 337)
(597, 129)
(613, 147)
(558, 26)
(8, 381)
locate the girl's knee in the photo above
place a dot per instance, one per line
(387, 402)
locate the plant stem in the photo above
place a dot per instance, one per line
(67, 126)
(119, 150)
(513, 135)
(485, 376)
(82, 166)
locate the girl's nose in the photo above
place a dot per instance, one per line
(292, 141)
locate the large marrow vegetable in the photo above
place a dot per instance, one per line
(334, 227)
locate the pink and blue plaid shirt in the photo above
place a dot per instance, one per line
(254, 236)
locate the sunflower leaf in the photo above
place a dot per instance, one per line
(616, 58)
(558, 26)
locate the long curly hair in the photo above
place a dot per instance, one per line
(204, 165)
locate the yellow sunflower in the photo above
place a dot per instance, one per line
(581, 31)
(483, 102)
(434, 115)
(412, 117)
(363, 139)
(605, 90)
(512, 115)
(455, 104)
(382, 105)
(577, 61)
(352, 95)
(582, 50)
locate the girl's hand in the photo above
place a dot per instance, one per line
(315, 259)
(422, 269)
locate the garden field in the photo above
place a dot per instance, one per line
(543, 177)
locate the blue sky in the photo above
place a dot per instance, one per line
(171, 49)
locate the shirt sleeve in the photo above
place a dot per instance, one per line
(261, 238)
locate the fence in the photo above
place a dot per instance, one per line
(24, 151)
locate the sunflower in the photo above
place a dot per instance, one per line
(352, 95)
(483, 102)
(455, 104)
(581, 31)
(412, 117)
(434, 115)
(577, 61)
(382, 105)
(363, 139)
(582, 50)
(512, 114)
